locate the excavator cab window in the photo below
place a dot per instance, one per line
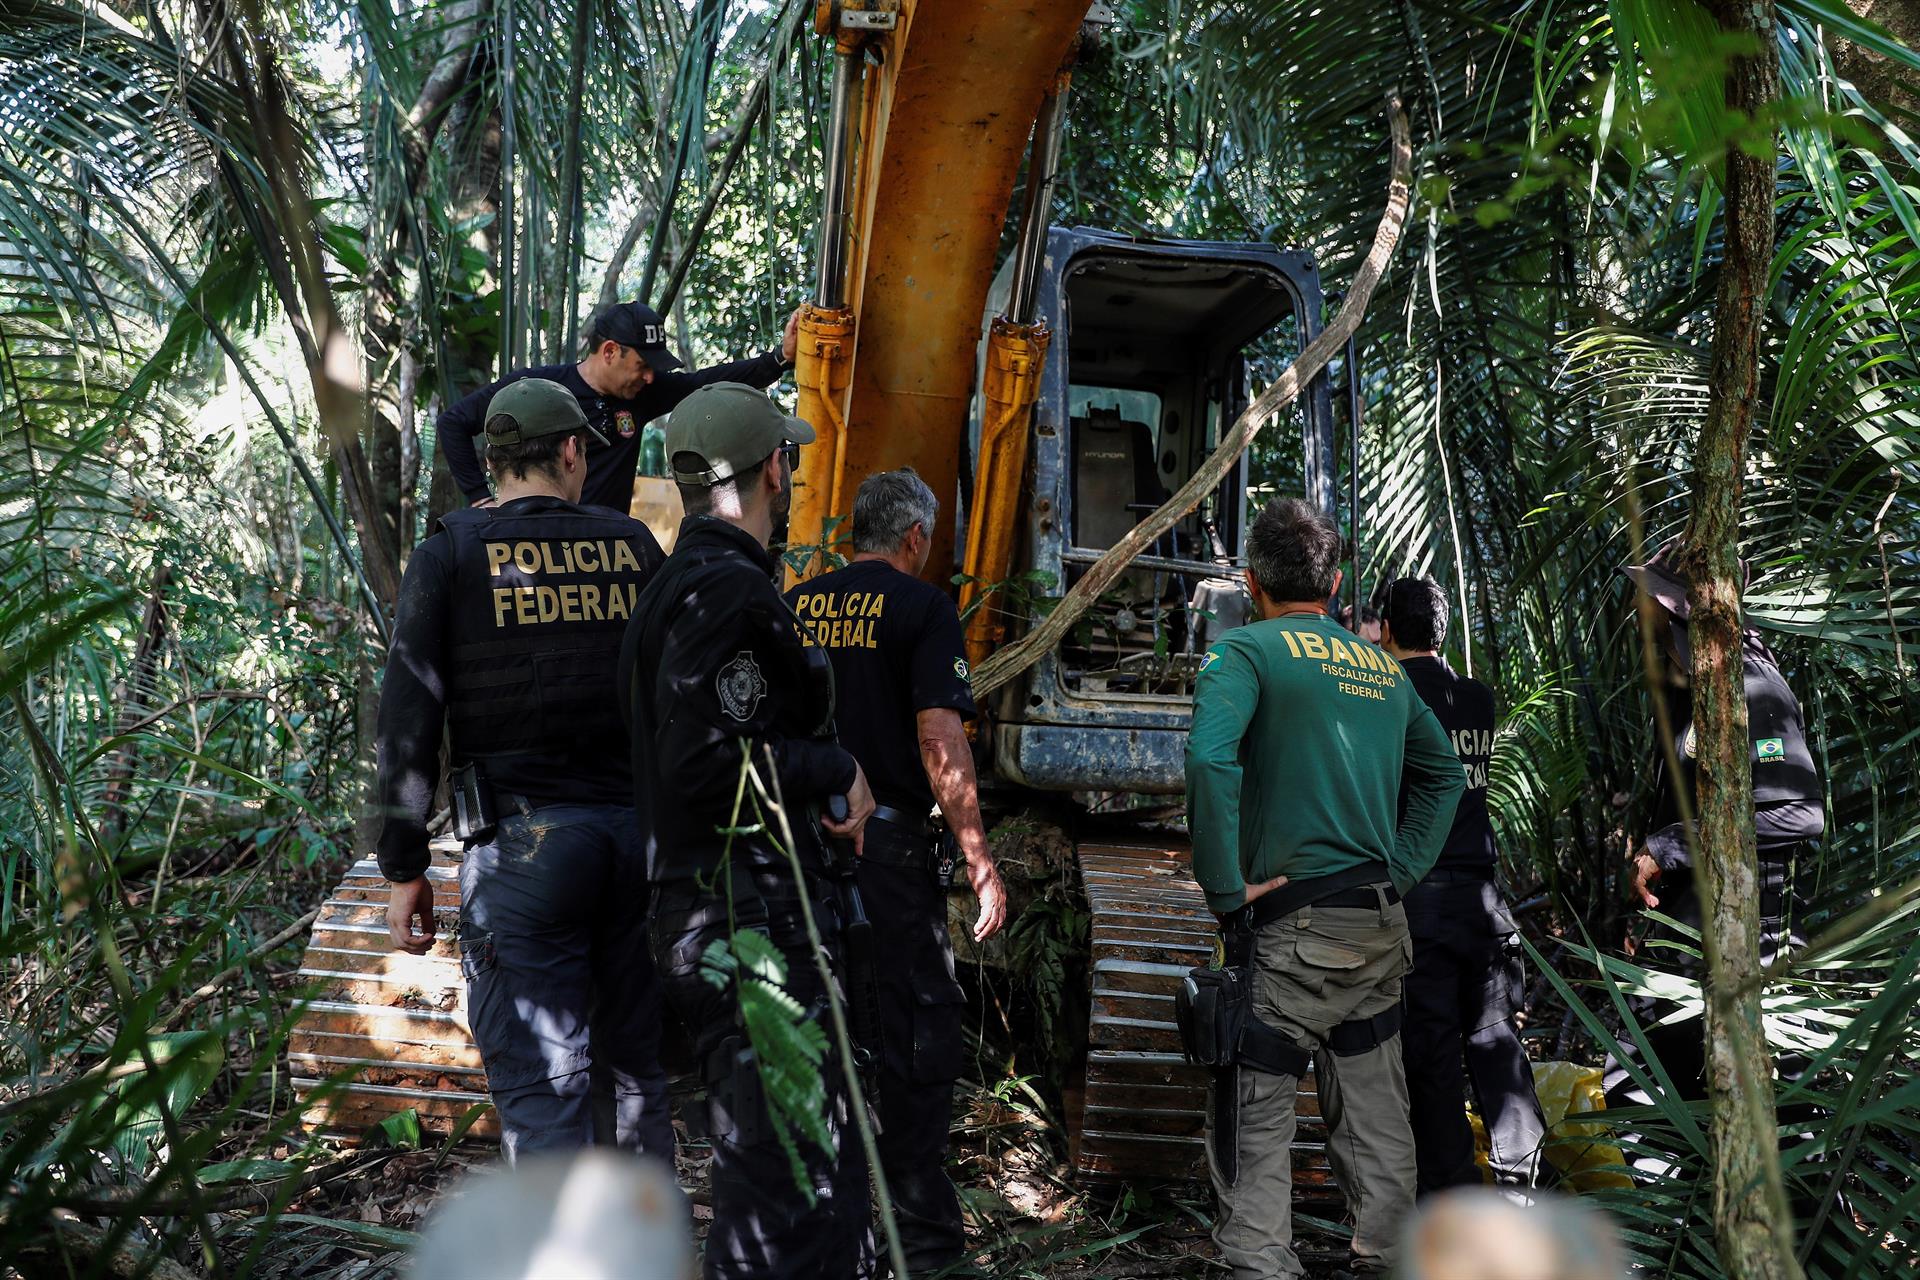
(1156, 348)
(1158, 345)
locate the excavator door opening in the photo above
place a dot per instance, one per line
(1149, 365)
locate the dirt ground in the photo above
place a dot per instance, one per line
(1026, 1218)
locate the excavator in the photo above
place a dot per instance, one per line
(1061, 399)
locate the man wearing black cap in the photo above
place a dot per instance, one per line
(716, 681)
(509, 624)
(627, 378)
(1789, 815)
(1466, 985)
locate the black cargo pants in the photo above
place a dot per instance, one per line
(920, 1015)
(763, 1225)
(1681, 1046)
(561, 994)
(1465, 988)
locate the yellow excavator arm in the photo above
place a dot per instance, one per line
(933, 107)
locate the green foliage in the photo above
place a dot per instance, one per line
(1843, 1025)
(789, 1048)
(400, 1131)
(835, 548)
(1048, 944)
(179, 632)
(189, 1062)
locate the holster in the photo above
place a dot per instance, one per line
(1223, 1104)
(947, 855)
(1214, 1010)
(474, 817)
(1218, 1029)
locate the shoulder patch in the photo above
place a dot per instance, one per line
(1770, 749)
(740, 686)
(961, 669)
(1212, 657)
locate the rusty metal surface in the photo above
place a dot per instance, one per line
(1016, 354)
(389, 1027)
(823, 365)
(1142, 1110)
(656, 504)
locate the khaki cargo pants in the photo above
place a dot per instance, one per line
(1312, 971)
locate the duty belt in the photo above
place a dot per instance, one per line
(901, 818)
(1354, 887)
(909, 844)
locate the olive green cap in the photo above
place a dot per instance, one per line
(529, 408)
(727, 428)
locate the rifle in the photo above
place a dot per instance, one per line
(856, 930)
(856, 933)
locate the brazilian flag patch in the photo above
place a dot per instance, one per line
(1770, 749)
(1207, 661)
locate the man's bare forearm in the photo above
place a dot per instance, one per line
(948, 761)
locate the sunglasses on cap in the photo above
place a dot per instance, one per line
(791, 452)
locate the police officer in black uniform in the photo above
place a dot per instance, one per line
(1466, 985)
(1789, 816)
(627, 378)
(508, 629)
(717, 679)
(897, 640)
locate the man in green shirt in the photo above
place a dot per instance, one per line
(1302, 733)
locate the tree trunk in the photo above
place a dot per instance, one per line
(470, 359)
(1752, 1223)
(136, 696)
(389, 329)
(295, 258)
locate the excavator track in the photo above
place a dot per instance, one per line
(1142, 1110)
(385, 1031)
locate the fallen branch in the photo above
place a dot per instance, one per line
(246, 962)
(1016, 658)
(107, 1072)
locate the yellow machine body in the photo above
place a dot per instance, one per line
(944, 123)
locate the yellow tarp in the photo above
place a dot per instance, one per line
(1574, 1147)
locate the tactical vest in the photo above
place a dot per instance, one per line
(540, 603)
(804, 697)
(1777, 740)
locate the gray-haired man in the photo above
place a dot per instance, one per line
(900, 666)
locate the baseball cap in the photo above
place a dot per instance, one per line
(636, 325)
(725, 428)
(529, 408)
(1666, 584)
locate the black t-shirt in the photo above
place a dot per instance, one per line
(897, 649)
(610, 467)
(1464, 708)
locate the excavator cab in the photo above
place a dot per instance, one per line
(1148, 365)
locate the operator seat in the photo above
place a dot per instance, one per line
(1115, 484)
